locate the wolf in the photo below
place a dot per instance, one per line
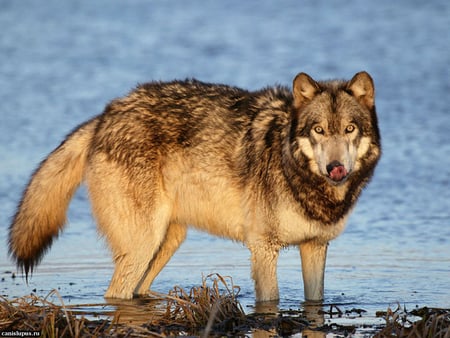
(272, 168)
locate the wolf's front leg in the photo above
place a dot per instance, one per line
(313, 255)
(264, 271)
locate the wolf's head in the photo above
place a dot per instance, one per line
(336, 126)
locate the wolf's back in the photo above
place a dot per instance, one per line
(41, 213)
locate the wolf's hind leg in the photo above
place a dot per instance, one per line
(133, 216)
(133, 251)
(313, 255)
(176, 234)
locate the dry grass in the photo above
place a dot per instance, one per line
(209, 309)
(205, 306)
(35, 314)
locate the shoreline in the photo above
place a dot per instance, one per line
(211, 309)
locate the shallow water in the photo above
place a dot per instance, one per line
(60, 62)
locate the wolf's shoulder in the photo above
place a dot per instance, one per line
(276, 97)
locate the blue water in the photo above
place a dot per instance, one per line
(62, 61)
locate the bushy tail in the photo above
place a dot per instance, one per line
(41, 214)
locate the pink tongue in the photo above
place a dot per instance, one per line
(338, 173)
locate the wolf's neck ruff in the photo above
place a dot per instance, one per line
(318, 199)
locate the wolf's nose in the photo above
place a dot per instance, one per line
(336, 171)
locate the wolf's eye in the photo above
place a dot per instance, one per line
(350, 129)
(318, 130)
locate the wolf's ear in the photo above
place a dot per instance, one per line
(304, 88)
(362, 88)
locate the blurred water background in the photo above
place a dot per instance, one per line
(62, 61)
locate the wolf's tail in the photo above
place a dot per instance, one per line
(42, 212)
